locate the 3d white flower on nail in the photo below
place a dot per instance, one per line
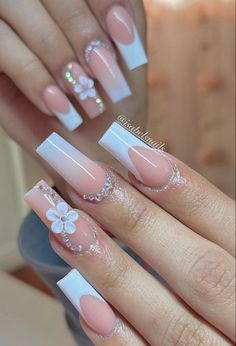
(85, 88)
(62, 219)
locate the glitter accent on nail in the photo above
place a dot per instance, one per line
(105, 190)
(175, 180)
(84, 87)
(96, 44)
(54, 199)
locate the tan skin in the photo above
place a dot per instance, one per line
(190, 244)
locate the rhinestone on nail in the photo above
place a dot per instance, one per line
(105, 190)
(95, 44)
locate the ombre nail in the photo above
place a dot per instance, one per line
(90, 180)
(105, 68)
(82, 87)
(123, 32)
(89, 303)
(72, 230)
(150, 166)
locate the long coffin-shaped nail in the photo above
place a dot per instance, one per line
(82, 87)
(105, 68)
(93, 308)
(61, 107)
(123, 32)
(150, 166)
(72, 230)
(89, 179)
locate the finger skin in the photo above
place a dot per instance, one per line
(199, 205)
(24, 68)
(116, 276)
(38, 30)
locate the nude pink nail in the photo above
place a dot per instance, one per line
(104, 66)
(71, 229)
(82, 87)
(89, 179)
(150, 166)
(60, 106)
(123, 32)
(94, 309)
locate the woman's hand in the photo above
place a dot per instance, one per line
(174, 219)
(38, 42)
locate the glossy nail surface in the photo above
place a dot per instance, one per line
(104, 66)
(72, 230)
(123, 32)
(150, 166)
(60, 106)
(90, 180)
(93, 308)
(82, 87)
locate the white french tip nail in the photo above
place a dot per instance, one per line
(118, 141)
(74, 286)
(72, 120)
(133, 54)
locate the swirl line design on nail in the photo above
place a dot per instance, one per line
(63, 221)
(84, 86)
(105, 191)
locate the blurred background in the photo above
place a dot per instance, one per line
(191, 47)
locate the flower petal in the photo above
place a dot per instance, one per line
(57, 226)
(78, 88)
(91, 92)
(52, 215)
(62, 208)
(83, 96)
(90, 83)
(83, 80)
(70, 227)
(72, 215)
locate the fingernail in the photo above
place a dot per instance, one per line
(72, 230)
(104, 66)
(93, 308)
(123, 32)
(90, 180)
(82, 87)
(150, 166)
(61, 107)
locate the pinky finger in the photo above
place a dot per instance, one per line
(101, 324)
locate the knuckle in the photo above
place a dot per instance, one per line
(50, 41)
(212, 276)
(138, 214)
(112, 280)
(30, 66)
(184, 331)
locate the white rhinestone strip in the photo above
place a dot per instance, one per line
(105, 190)
(95, 44)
